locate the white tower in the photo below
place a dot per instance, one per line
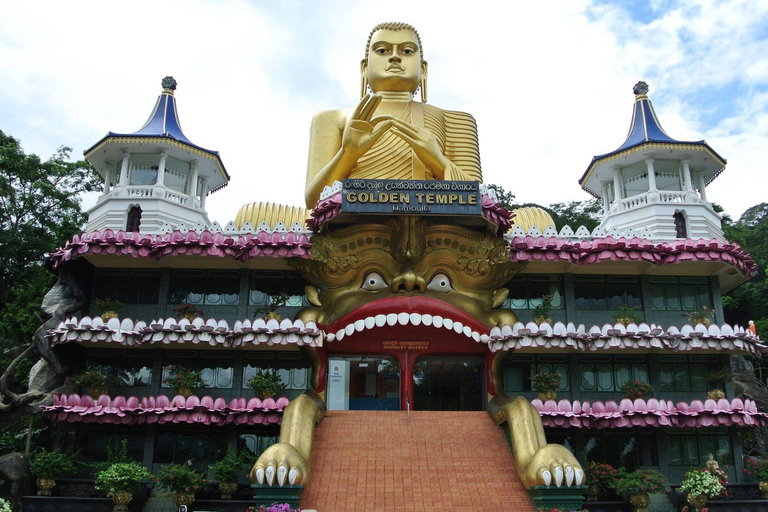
(655, 181)
(155, 175)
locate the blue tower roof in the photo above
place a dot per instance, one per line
(645, 128)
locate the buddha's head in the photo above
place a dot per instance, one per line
(393, 60)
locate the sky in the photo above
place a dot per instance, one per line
(549, 83)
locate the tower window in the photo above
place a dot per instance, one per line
(134, 219)
(681, 231)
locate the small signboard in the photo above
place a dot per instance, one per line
(423, 197)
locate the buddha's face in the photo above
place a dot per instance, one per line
(394, 62)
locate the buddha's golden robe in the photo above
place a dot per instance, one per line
(456, 133)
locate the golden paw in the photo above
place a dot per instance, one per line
(553, 463)
(281, 462)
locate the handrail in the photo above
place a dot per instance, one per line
(408, 406)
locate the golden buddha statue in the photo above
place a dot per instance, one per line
(388, 135)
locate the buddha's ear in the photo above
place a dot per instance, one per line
(363, 78)
(313, 295)
(423, 82)
(499, 296)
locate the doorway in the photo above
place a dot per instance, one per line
(363, 383)
(449, 384)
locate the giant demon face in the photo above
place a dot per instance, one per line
(407, 271)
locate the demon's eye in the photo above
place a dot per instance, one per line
(440, 283)
(374, 282)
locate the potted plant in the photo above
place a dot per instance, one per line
(227, 471)
(188, 311)
(626, 315)
(601, 479)
(759, 471)
(107, 307)
(718, 378)
(274, 302)
(48, 466)
(181, 480)
(183, 379)
(634, 389)
(541, 310)
(265, 383)
(119, 480)
(703, 316)
(547, 384)
(698, 485)
(96, 378)
(638, 484)
(5, 506)
(275, 507)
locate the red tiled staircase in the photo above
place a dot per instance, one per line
(442, 461)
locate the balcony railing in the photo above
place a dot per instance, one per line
(665, 197)
(146, 191)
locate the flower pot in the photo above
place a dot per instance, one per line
(227, 489)
(697, 501)
(121, 499)
(97, 391)
(108, 315)
(764, 489)
(623, 320)
(541, 319)
(183, 498)
(640, 502)
(44, 486)
(705, 321)
(593, 492)
(273, 315)
(188, 316)
(715, 394)
(547, 395)
(184, 391)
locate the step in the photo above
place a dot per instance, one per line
(375, 460)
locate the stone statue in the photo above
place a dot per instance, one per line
(388, 135)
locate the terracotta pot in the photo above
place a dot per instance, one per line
(593, 492)
(697, 501)
(108, 315)
(271, 315)
(716, 394)
(121, 499)
(640, 502)
(44, 486)
(184, 391)
(764, 489)
(183, 498)
(547, 395)
(227, 489)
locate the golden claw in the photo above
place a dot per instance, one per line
(280, 460)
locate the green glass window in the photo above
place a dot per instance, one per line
(680, 373)
(526, 291)
(606, 292)
(197, 447)
(680, 293)
(693, 447)
(128, 286)
(630, 448)
(201, 287)
(609, 373)
(518, 371)
(216, 368)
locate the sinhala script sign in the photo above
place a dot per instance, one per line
(411, 196)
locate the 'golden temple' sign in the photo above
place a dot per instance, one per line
(411, 196)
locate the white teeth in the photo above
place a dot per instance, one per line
(437, 321)
(447, 323)
(415, 319)
(260, 475)
(340, 334)
(282, 472)
(360, 325)
(292, 476)
(403, 318)
(391, 319)
(475, 335)
(495, 331)
(426, 319)
(484, 338)
(370, 322)
(458, 327)
(349, 329)
(380, 320)
(331, 336)
(506, 330)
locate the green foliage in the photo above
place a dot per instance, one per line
(95, 375)
(577, 213)
(634, 389)
(546, 382)
(701, 481)
(103, 305)
(230, 467)
(182, 377)
(117, 453)
(756, 469)
(602, 475)
(507, 199)
(648, 481)
(122, 476)
(267, 382)
(186, 310)
(722, 376)
(15, 438)
(180, 478)
(541, 310)
(628, 315)
(53, 464)
(274, 303)
(5, 505)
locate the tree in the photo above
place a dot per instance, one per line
(587, 213)
(39, 211)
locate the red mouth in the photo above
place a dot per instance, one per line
(407, 310)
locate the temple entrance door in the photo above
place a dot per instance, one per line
(368, 383)
(448, 384)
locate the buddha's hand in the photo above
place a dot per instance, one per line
(551, 464)
(362, 130)
(283, 461)
(424, 144)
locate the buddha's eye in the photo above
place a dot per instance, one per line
(374, 282)
(440, 283)
(380, 51)
(408, 51)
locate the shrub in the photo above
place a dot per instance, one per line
(188, 310)
(541, 310)
(230, 467)
(95, 375)
(634, 389)
(640, 481)
(756, 469)
(180, 478)
(104, 305)
(5, 506)
(122, 476)
(266, 382)
(602, 475)
(53, 464)
(546, 382)
(274, 302)
(275, 507)
(181, 377)
(721, 376)
(628, 315)
(701, 481)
